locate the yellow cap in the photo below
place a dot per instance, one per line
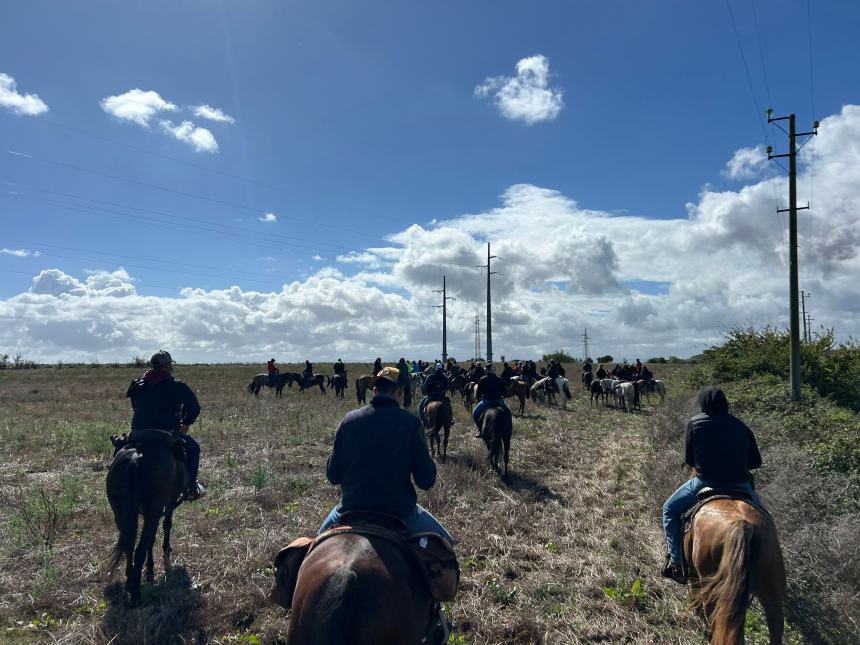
(388, 373)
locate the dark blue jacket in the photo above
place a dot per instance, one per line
(378, 450)
(164, 406)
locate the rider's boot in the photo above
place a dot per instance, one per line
(439, 629)
(673, 571)
(195, 490)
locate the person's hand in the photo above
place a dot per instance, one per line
(183, 428)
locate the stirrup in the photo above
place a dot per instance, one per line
(439, 632)
(194, 492)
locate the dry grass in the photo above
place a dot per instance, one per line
(565, 552)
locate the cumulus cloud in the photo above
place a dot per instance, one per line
(563, 267)
(136, 106)
(17, 103)
(746, 163)
(268, 217)
(201, 139)
(212, 113)
(527, 96)
(21, 253)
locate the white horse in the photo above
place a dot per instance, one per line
(609, 386)
(659, 388)
(561, 383)
(627, 396)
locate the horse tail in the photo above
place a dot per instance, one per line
(341, 598)
(357, 390)
(251, 386)
(126, 515)
(725, 595)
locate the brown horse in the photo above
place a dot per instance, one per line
(733, 552)
(145, 478)
(520, 390)
(362, 385)
(496, 431)
(359, 589)
(470, 391)
(438, 415)
(262, 380)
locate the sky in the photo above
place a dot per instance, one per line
(236, 180)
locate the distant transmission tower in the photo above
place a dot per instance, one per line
(585, 352)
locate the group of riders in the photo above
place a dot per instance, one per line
(380, 449)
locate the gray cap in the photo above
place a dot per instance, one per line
(160, 359)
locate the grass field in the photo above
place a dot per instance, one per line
(566, 552)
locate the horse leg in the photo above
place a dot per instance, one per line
(166, 549)
(150, 565)
(445, 443)
(772, 606)
(144, 547)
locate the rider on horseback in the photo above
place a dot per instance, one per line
(434, 389)
(723, 450)
(339, 367)
(476, 372)
(490, 392)
(161, 402)
(273, 372)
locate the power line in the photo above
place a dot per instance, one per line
(747, 72)
(761, 55)
(213, 200)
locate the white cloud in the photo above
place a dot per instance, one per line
(17, 103)
(526, 96)
(212, 113)
(746, 163)
(268, 217)
(136, 106)
(21, 253)
(201, 139)
(317, 257)
(563, 267)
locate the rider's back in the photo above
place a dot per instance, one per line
(160, 405)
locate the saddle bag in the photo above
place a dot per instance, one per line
(287, 564)
(437, 562)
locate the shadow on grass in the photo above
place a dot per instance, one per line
(533, 488)
(169, 612)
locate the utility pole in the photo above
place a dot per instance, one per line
(585, 352)
(477, 335)
(444, 308)
(794, 291)
(489, 306)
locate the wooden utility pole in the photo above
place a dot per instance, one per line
(444, 308)
(794, 291)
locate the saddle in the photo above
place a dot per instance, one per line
(430, 553)
(711, 494)
(140, 439)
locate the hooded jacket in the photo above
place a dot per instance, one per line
(161, 402)
(718, 445)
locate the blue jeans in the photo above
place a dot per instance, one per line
(419, 521)
(192, 457)
(483, 404)
(684, 499)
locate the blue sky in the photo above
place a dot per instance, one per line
(353, 121)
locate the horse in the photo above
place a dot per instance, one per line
(362, 384)
(597, 393)
(456, 383)
(338, 382)
(469, 394)
(360, 589)
(587, 378)
(659, 388)
(520, 390)
(145, 478)
(438, 415)
(496, 431)
(307, 383)
(609, 385)
(627, 396)
(262, 380)
(733, 552)
(564, 390)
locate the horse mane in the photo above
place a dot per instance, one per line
(725, 596)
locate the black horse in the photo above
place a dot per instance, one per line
(338, 382)
(147, 477)
(307, 382)
(496, 431)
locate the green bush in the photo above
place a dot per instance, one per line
(832, 370)
(605, 359)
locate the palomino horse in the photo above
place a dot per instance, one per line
(520, 390)
(338, 382)
(262, 380)
(733, 552)
(359, 589)
(145, 478)
(438, 415)
(496, 431)
(362, 385)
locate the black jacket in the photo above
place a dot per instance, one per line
(507, 373)
(553, 372)
(378, 450)
(436, 383)
(491, 388)
(339, 368)
(720, 446)
(163, 406)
